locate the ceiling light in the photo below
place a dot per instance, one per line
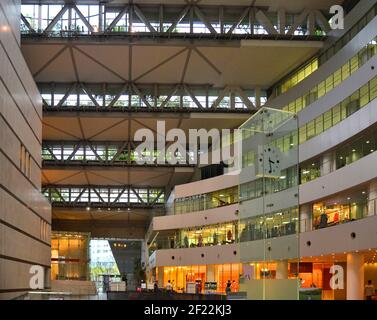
(306, 172)
(348, 198)
(363, 192)
(353, 150)
(87, 208)
(368, 142)
(108, 209)
(128, 209)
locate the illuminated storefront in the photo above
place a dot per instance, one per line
(328, 215)
(69, 256)
(183, 278)
(317, 277)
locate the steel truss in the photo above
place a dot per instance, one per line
(108, 197)
(130, 96)
(111, 154)
(159, 20)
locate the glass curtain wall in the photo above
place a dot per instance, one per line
(268, 224)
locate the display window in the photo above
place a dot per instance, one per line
(183, 277)
(329, 215)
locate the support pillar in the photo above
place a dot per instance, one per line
(160, 271)
(372, 198)
(355, 276)
(327, 165)
(282, 270)
(305, 218)
(257, 97)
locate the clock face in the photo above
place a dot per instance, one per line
(269, 162)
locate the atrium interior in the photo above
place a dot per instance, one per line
(184, 149)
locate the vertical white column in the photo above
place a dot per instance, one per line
(355, 276)
(327, 163)
(305, 218)
(282, 269)
(372, 198)
(211, 273)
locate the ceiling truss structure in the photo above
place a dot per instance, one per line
(109, 154)
(129, 96)
(108, 197)
(160, 20)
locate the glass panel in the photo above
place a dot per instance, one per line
(269, 224)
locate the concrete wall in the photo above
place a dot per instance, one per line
(338, 239)
(25, 215)
(205, 186)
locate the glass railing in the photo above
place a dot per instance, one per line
(347, 37)
(200, 202)
(277, 224)
(338, 213)
(295, 78)
(335, 79)
(303, 72)
(342, 156)
(330, 118)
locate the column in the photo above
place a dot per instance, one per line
(306, 218)
(327, 163)
(355, 276)
(372, 198)
(160, 271)
(282, 269)
(100, 18)
(257, 97)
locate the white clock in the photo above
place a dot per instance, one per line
(269, 162)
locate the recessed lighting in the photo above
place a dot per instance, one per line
(363, 192)
(341, 158)
(128, 209)
(87, 208)
(372, 150)
(313, 164)
(282, 177)
(353, 150)
(368, 142)
(348, 198)
(108, 209)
